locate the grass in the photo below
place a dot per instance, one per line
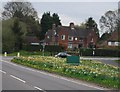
(28, 53)
(88, 70)
(118, 61)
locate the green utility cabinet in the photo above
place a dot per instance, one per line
(73, 59)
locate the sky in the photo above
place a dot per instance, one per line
(76, 11)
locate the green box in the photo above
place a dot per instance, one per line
(73, 59)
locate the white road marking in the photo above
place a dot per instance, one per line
(18, 78)
(70, 80)
(37, 88)
(3, 71)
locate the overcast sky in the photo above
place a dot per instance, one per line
(76, 11)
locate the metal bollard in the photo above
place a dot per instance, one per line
(18, 54)
(5, 54)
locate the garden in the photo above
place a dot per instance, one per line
(92, 71)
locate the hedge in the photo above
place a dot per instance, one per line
(100, 52)
(48, 48)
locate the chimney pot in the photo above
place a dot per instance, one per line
(71, 25)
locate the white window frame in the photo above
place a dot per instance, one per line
(69, 45)
(76, 38)
(62, 37)
(110, 43)
(48, 37)
(70, 39)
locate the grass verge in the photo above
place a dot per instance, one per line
(28, 53)
(118, 61)
(91, 71)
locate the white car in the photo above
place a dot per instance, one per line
(62, 55)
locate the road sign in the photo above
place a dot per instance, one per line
(73, 59)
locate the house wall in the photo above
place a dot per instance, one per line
(61, 42)
(91, 37)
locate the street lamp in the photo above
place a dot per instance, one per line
(43, 48)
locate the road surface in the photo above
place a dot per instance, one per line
(105, 60)
(17, 77)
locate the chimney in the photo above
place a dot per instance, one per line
(72, 25)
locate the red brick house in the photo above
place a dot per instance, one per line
(112, 41)
(70, 37)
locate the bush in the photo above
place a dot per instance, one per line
(32, 47)
(51, 48)
(48, 48)
(86, 52)
(107, 52)
(100, 52)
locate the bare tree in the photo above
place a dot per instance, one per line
(19, 9)
(108, 22)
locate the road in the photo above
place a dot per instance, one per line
(105, 60)
(17, 77)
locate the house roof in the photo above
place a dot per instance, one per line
(31, 39)
(77, 32)
(114, 36)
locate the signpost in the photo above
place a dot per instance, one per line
(93, 51)
(18, 54)
(5, 54)
(73, 59)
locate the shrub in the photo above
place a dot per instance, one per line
(100, 52)
(48, 48)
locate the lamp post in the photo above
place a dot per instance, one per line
(43, 48)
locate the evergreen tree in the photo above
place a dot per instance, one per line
(92, 25)
(17, 31)
(56, 19)
(47, 21)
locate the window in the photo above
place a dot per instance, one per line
(48, 37)
(92, 40)
(111, 43)
(81, 39)
(54, 32)
(117, 43)
(69, 45)
(70, 38)
(75, 38)
(62, 37)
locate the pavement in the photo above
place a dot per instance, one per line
(17, 77)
